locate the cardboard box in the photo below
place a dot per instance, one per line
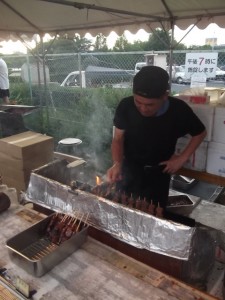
(218, 134)
(26, 151)
(20, 154)
(214, 93)
(205, 112)
(197, 161)
(216, 159)
(9, 172)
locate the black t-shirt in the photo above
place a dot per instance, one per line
(150, 140)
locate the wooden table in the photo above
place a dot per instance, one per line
(95, 271)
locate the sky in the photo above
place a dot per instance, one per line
(195, 37)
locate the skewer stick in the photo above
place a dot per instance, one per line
(77, 229)
(86, 220)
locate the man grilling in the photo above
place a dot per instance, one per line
(147, 126)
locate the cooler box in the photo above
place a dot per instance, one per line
(218, 134)
(216, 159)
(197, 161)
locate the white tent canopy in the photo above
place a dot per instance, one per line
(29, 17)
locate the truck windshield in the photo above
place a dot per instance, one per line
(73, 80)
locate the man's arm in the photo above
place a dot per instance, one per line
(192, 145)
(177, 161)
(117, 148)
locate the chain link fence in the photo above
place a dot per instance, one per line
(103, 69)
(80, 94)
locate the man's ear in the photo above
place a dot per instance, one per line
(166, 94)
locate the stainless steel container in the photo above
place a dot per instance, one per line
(32, 243)
(181, 203)
(182, 182)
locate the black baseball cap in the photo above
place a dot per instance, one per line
(151, 82)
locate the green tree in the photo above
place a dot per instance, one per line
(100, 44)
(138, 46)
(121, 44)
(65, 45)
(197, 47)
(81, 44)
(60, 45)
(160, 40)
(60, 66)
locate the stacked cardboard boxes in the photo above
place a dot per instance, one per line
(197, 161)
(20, 154)
(210, 155)
(205, 112)
(216, 151)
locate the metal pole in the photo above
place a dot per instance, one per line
(29, 76)
(80, 70)
(45, 83)
(171, 54)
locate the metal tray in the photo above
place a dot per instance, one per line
(21, 245)
(182, 182)
(181, 203)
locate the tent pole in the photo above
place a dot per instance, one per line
(43, 59)
(29, 76)
(171, 54)
(45, 82)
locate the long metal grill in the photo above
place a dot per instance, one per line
(115, 193)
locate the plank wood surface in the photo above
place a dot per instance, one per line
(95, 271)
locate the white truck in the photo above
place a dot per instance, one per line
(95, 76)
(138, 66)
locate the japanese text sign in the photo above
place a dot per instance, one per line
(201, 63)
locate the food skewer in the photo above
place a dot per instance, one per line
(144, 205)
(138, 203)
(159, 211)
(131, 201)
(151, 208)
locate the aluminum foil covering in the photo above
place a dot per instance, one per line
(127, 224)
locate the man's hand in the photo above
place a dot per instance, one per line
(114, 173)
(173, 164)
(177, 161)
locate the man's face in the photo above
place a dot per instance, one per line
(149, 107)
